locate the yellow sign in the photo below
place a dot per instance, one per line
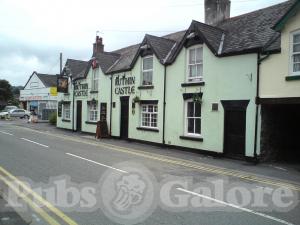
(53, 91)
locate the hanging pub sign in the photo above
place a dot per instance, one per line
(80, 89)
(62, 84)
(124, 85)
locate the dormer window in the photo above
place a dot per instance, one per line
(147, 70)
(295, 56)
(195, 64)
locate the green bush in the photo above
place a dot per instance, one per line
(52, 118)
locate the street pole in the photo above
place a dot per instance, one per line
(60, 63)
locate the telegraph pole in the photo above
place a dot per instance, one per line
(60, 63)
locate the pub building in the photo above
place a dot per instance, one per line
(193, 89)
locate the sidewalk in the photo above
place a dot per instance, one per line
(8, 216)
(281, 171)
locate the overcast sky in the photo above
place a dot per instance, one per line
(33, 32)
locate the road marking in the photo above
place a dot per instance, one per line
(35, 142)
(181, 162)
(32, 204)
(43, 201)
(236, 206)
(6, 133)
(110, 167)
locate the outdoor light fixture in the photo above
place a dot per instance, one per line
(94, 101)
(191, 35)
(145, 46)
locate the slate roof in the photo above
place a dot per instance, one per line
(48, 79)
(251, 32)
(77, 67)
(161, 45)
(213, 35)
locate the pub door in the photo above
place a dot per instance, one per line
(78, 115)
(235, 128)
(124, 117)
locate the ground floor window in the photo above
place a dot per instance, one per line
(66, 111)
(193, 118)
(149, 115)
(92, 112)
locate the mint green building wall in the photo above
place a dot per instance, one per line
(151, 94)
(227, 78)
(90, 128)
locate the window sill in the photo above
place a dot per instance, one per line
(192, 138)
(91, 122)
(93, 92)
(64, 120)
(292, 77)
(146, 87)
(192, 84)
(148, 129)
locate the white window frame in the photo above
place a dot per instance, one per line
(186, 133)
(66, 111)
(292, 53)
(92, 112)
(188, 78)
(95, 80)
(148, 70)
(151, 115)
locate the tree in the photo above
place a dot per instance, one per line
(5, 91)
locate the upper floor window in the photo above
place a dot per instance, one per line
(295, 50)
(95, 78)
(195, 64)
(34, 84)
(147, 70)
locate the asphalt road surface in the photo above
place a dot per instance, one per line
(73, 180)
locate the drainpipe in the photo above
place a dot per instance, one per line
(164, 105)
(73, 106)
(259, 61)
(110, 111)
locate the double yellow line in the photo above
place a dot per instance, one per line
(14, 184)
(181, 162)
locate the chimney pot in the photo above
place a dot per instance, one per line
(98, 46)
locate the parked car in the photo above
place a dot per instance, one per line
(4, 114)
(10, 107)
(21, 113)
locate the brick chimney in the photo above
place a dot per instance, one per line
(98, 46)
(216, 11)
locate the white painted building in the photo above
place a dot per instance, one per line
(40, 94)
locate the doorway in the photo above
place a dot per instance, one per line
(124, 117)
(78, 116)
(235, 128)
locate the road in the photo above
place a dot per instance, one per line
(109, 183)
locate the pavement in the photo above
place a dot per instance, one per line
(175, 186)
(8, 215)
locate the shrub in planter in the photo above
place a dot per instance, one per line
(53, 118)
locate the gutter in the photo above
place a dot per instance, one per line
(259, 61)
(73, 104)
(110, 108)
